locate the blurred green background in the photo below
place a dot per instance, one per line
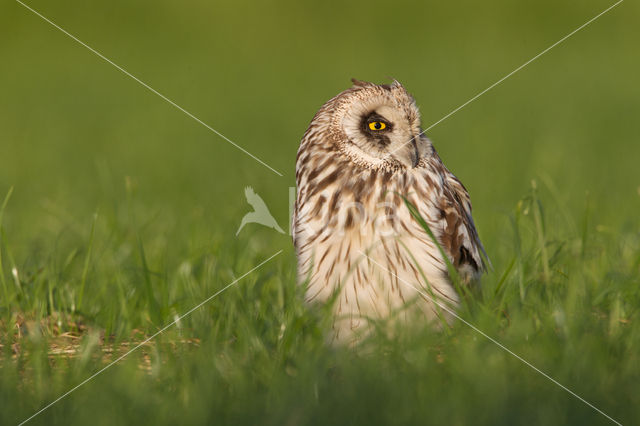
(78, 137)
(73, 126)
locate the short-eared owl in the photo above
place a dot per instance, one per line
(362, 153)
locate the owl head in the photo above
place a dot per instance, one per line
(377, 126)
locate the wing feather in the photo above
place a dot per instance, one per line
(457, 233)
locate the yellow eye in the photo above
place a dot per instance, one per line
(377, 125)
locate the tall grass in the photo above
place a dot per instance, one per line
(256, 353)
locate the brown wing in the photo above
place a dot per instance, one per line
(458, 236)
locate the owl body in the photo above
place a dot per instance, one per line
(355, 239)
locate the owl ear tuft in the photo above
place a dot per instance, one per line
(360, 83)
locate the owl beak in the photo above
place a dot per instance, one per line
(409, 153)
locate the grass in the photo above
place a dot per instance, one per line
(119, 213)
(256, 352)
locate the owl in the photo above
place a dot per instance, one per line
(356, 241)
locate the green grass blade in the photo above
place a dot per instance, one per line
(87, 262)
(539, 222)
(2, 278)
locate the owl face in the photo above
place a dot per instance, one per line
(379, 126)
